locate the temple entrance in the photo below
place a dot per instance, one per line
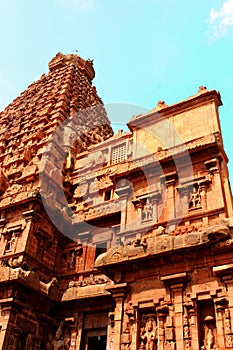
(94, 340)
(207, 324)
(97, 343)
(23, 341)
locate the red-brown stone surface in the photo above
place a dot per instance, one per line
(113, 242)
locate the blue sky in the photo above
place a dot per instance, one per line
(143, 51)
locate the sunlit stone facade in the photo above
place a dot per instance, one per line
(113, 241)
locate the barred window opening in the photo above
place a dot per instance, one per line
(119, 154)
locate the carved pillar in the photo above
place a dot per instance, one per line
(170, 180)
(193, 326)
(85, 238)
(162, 313)
(178, 308)
(203, 193)
(138, 204)
(134, 330)
(118, 293)
(184, 193)
(228, 329)
(76, 333)
(110, 331)
(156, 196)
(176, 284)
(229, 284)
(225, 272)
(219, 310)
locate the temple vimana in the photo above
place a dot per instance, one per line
(113, 242)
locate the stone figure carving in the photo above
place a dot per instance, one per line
(4, 184)
(148, 335)
(130, 312)
(209, 334)
(147, 211)
(195, 198)
(61, 340)
(45, 287)
(209, 339)
(69, 160)
(227, 322)
(11, 243)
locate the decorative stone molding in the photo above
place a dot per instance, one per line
(154, 244)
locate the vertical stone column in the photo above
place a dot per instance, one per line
(7, 327)
(219, 310)
(85, 262)
(203, 193)
(76, 334)
(155, 200)
(170, 199)
(193, 328)
(138, 204)
(170, 180)
(110, 331)
(226, 274)
(176, 284)
(134, 332)
(178, 308)
(118, 293)
(184, 193)
(162, 313)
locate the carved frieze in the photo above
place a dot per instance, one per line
(164, 242)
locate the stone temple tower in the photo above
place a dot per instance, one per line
(113, 241)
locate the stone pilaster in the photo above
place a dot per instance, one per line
(170, 181)
(176, 285)
(219, 310)
(118, 293)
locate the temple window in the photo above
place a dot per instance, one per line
(119, 153)
(100, 249)
(108, 195)
(207, 324)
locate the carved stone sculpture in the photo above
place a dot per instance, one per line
(61, 340)
(130, 312)
(148, 335)
(4, 184)
(195, 198)
(45, 287)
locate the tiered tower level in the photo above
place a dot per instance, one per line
(113, 242)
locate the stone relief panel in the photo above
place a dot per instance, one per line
(60, 340)
(148, 332)
(228, 328)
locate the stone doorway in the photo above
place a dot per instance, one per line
(23, 341)
(94, 340)
(97, 343)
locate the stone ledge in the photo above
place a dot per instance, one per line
(156, 245)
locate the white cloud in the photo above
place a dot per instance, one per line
(221, 20)
(78, 5)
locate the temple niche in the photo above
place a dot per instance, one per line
(148, 333)
(113, 242)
